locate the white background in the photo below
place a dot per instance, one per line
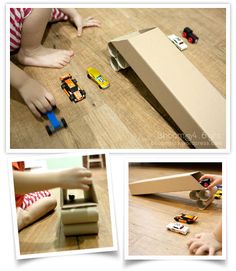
(113, 260)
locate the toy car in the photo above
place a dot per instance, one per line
(178, 42)
(183, 218)
(72, 89)
(55, 123)
(98, 78)
(178, 227)
(205, 182)
(71, 197)
(188, 34)
(218, 194)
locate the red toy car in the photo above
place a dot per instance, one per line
(188, 34)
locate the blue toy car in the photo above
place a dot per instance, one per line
(55, 123)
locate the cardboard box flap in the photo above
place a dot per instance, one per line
(189, 98)
(173, 183)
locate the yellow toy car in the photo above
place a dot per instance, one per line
(218, 194)
(95, 75)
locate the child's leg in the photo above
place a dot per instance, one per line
(35, 211)
(31, 51)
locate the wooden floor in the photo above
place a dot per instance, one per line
(46, 235)
(149, 215)
(125, 115)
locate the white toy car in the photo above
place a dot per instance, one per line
(178, 42)
(178, 227)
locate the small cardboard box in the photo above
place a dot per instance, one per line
(79, 211)
(87, 199)
(173, 183)
(190, 99)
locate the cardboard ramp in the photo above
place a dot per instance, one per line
(176, 183)
(189, 98)
(173, 183)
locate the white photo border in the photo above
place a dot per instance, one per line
(173, 159)
(71, 252)
(227, 6)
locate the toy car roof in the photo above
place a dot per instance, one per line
(68, 75)
(94, 71)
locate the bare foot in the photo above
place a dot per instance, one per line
(45, 57)
(36, 97)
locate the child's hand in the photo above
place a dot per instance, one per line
(82, 23)
(36, 97)
(75, 178)
(79, 22)
(204, 244)
(215, 180)
(90, 22)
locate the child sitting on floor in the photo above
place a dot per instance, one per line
(207, 242)
(32, 202)
(27, 27)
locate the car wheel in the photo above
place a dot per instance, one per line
(72, 97)
(83, 93)
(88, 76)
(64, 123)
(49, 131)
(190, 40)
(63, 86)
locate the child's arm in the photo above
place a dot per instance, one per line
(26, 182)
(79, 22)
(206, 243)
(35, 95)
(215, 179)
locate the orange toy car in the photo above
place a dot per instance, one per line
(183, 218)
(72, 89)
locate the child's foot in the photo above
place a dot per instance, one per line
(37, 98)
(45, 57)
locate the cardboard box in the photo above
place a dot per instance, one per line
(80, 229)
(173, 183)
(190, 99)
(79, 211)
(81, 198)
(79, 215)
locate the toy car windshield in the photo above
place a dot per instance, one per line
(178, 226)
(99, 78)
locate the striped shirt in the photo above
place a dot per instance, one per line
(17, 17)
(31, 198)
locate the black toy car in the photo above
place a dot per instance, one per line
(205, 182)
(189, 35)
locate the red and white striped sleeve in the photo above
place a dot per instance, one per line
(17, 16)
